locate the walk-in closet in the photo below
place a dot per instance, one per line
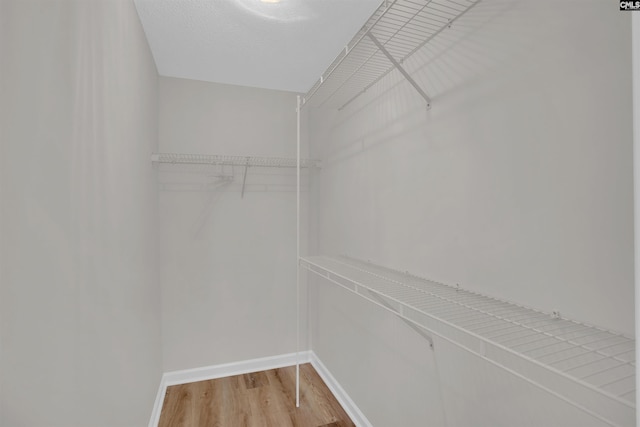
(313, 213)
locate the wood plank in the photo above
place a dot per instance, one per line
(258, 399)
(255, 379)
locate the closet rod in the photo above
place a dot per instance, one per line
(216, 159)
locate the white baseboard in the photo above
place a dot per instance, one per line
(233, 368)
(220, 371)
(254, 365)
(356, 415)
(157, 405)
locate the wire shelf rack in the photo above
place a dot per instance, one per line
(587, 366)
(395, 31)
(223, 160)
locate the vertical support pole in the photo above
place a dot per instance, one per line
(635, 42)
(298, 257)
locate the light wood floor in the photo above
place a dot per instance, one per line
(260, 399)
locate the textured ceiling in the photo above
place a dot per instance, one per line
(284, 45)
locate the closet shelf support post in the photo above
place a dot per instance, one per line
(298, 164)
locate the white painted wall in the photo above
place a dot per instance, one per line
(518, 183)
(383, 365)
(228, 266)
(79, 297)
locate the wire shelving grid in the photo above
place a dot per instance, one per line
(589, 367)
(224, 160)
(395, 31)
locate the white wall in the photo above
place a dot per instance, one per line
(517, 184)
(228, 266)
(79, 298)
(386, 367)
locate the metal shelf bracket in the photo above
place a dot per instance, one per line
(244, 178)
(399, 67)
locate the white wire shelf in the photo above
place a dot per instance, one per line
(223, 160)
(589, 367)
(395, 31)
